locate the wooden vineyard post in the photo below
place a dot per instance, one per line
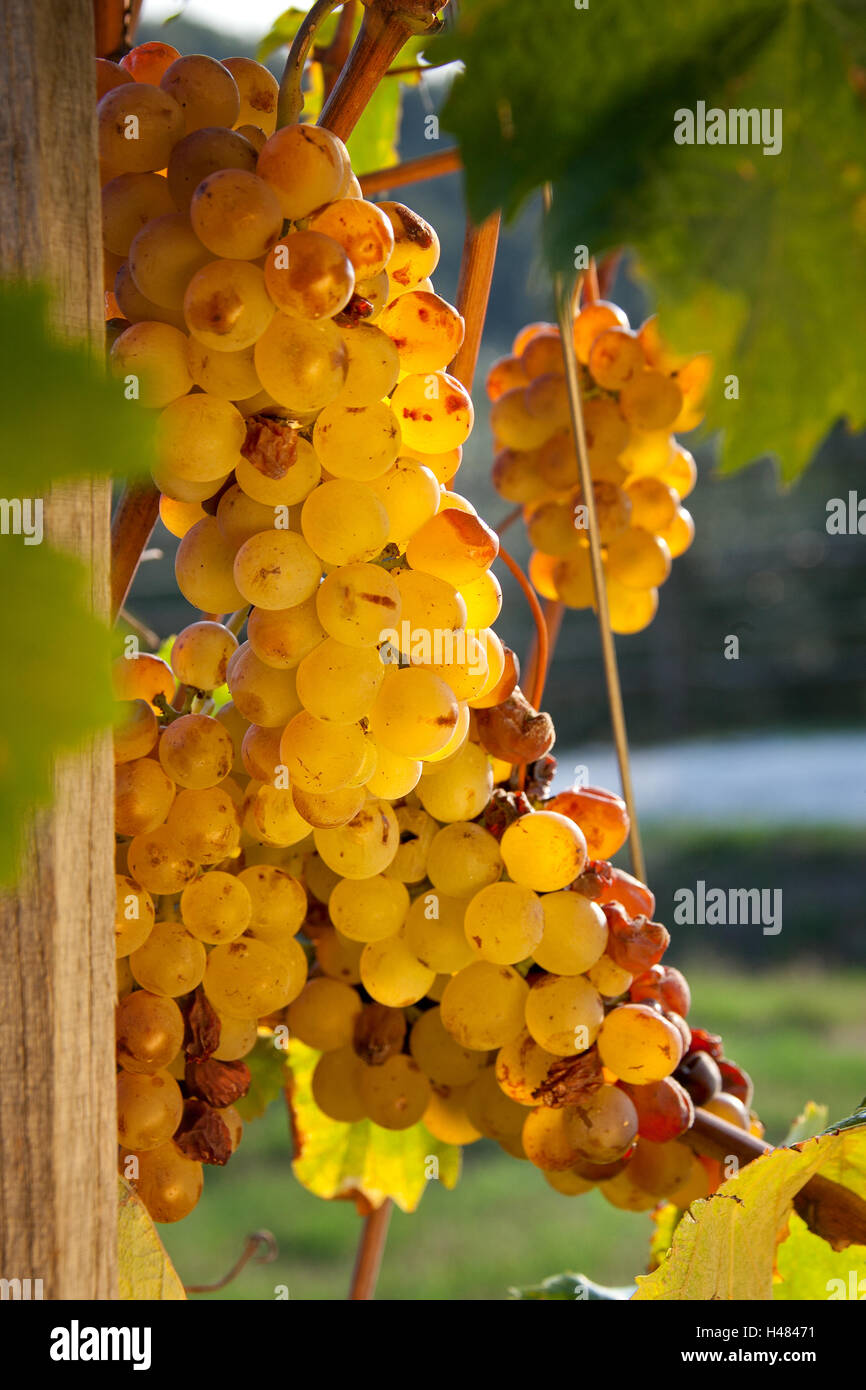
(58, 1189)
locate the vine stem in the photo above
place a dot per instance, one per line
(290, 102)
(563, 301)
(427, 166)
(252, 1245)
(386, 26)
(473, 293)
(132, 523)
(371, 1247)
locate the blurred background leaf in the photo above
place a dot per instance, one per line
(759, 259)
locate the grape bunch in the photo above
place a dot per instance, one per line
(344, 850)
(636, 394)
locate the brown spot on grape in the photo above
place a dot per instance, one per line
(453, 403)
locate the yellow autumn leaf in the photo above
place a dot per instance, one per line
(725, 1246)
(361, 1160)
(145, 1272)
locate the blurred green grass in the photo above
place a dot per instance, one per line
(801, 1033)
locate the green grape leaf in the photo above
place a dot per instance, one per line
(61, 416)
(284, 29)
(807, 1268)
(268, 1074)
(361, 1162)
(574, 1287)
(58, 686)
(812, 1121)
(665, 1220)
(61, 419)
(144, 1270)
(373, 143)
(757, 258)
(725, 1246)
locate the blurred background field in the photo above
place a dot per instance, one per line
(749, 773)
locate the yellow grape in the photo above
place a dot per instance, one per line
(260, 752)
(631, 610)
(377, 292)
(199, 438)
(463, 859)
(279, 902)
(239, 517)
(454, 545)
(324, 1014)
(227, 307)
(134, 915)
(650, 400)
(426, 330)
(137, 308)
(609, 978)
(135, 730)
(138, 125)
(230, 717)
(416, 246)
(169, 1183)
(482, 1005)
(301, 364)
(179, 517)
(229, 375)
(128, 202)
(372, 365)
(417, 830)
(337, 1085)
(263, 694)
(410, 494)
(196, 751)
(238, 1037)
(359, 442)
(394, 775)
(639, 1045)
(216, 907)
(546, 1139)
(182, 490)
(428, 604)
(569, 1183)
(109, 75)
(680, 473)
(148, 1031)
(462, 789)
(551, 528)
(653, 503)
(271, 816)
(504, 923)
(170, 962)
(281, 637)
(302, 472)
(572, 579)
(638, 560)
(392, 974)
(564, 1014)
(320, 880)
(521, 1067)
(680, 534)
(396, 1094)
(258, 90)
(276, 569)
(249, 979)
(435, 935)
(149, 1108)
(163, 257)
(322, 757)
(515, 427)
(434, 411)
(355, 602)
(546, 398)
(368, 909)
(309, 275)
(305, 165)
(446, 1117)
(142, 677)
(364, 846)
(204, 89)
(337, 957)
(414, 714)
(614, 358)
(363, 231)
(344, 523)
(205, 824)
(483, 599)
(505, 373)
(593, 319)
(440, 1058)
(493, 1113)
(340, 683)
(202, 153)
(142, 796)
(575, 934)
(157, 863)
(544, 850)
(200, 655)
(236, 214)
(444, 466)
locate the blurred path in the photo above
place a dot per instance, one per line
(776, 778)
